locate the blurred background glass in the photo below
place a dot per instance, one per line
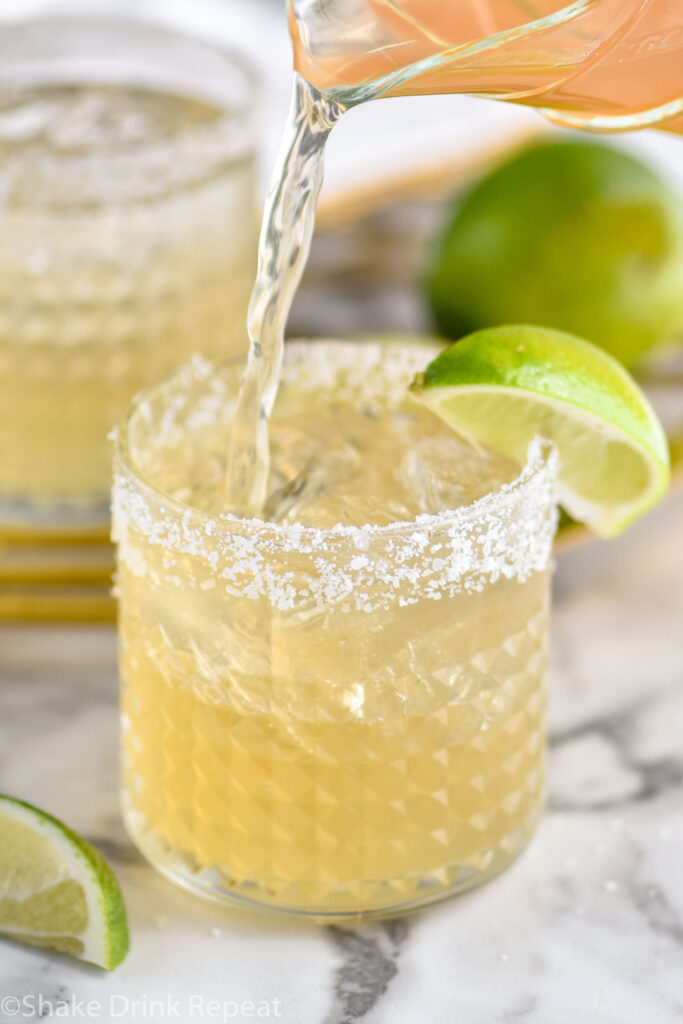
(128, 223)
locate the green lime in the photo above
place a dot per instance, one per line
(578, 236)
(56, 890)
(506, 385)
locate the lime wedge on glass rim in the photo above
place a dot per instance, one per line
(56, 890)
(504, 386)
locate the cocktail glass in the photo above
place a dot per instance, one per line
(328, 720)
(128, 224)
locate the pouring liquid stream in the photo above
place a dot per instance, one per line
(283, 251)
(600, 65)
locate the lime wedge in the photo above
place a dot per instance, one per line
(56, 890)
(506, 385)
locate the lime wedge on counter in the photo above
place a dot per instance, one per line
(506, 385)
(56, 890)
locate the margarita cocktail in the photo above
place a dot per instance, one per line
(337, 708)
(128, 221)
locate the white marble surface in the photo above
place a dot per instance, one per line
(587, 928)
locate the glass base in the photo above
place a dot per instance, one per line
(326, 903)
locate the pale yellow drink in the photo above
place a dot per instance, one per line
(128, 221)
(330, 719)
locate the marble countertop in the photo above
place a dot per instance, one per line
(586, 927)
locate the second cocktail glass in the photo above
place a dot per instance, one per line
(128, 219)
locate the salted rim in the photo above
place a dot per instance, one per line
(220, 144)
(541, 456)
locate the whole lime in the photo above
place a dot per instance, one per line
(575, 235)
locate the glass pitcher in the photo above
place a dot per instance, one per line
(601, 65)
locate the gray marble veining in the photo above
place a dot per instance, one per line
(586, 928)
